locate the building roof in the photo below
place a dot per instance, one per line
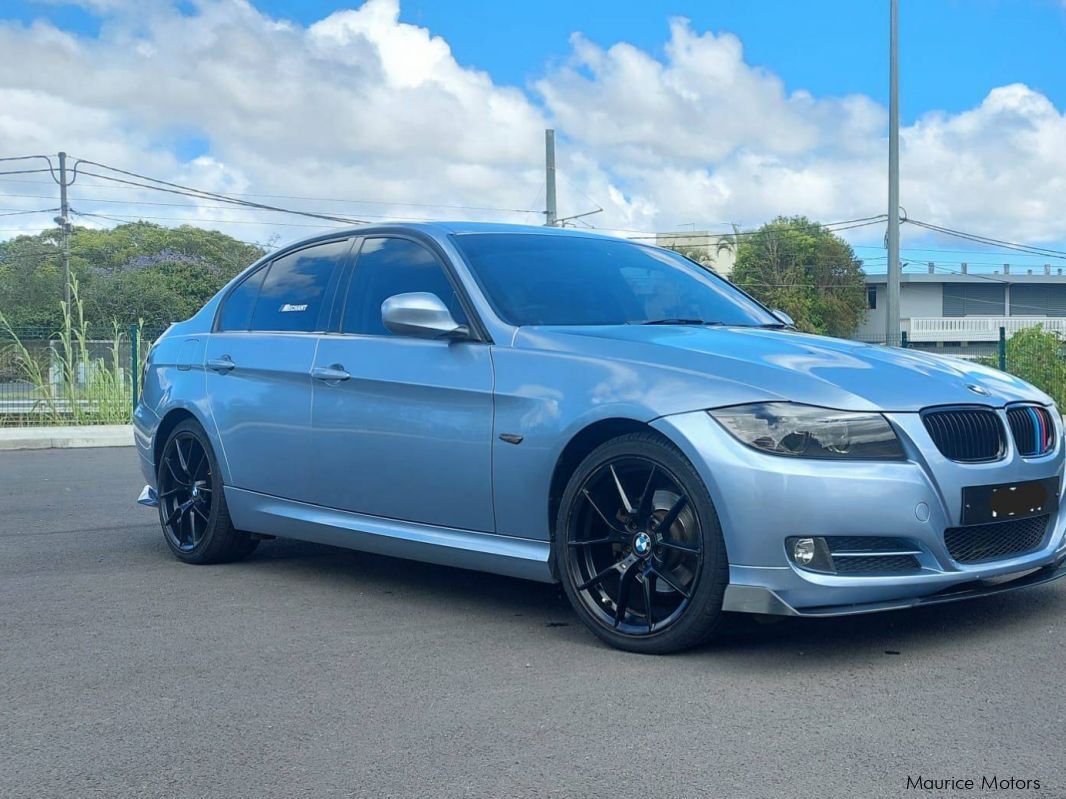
(974, 277)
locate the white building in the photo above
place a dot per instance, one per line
(940, 309)
(710, 249)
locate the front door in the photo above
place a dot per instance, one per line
(402, 426)
(258, 367)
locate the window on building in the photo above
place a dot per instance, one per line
(389, 266)
(295, 286)
(1039, 299)
(974, 299)
(871, 298)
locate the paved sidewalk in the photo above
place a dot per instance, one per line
(104, 435)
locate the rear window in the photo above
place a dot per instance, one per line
(238, 306)
(293, 292)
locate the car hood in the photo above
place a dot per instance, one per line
(727, 365)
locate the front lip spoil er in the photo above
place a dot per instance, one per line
(756, 599)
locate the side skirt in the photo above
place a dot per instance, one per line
(499, 554)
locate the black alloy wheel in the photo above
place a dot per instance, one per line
(185, 489)
(192, 505)
(639, 541)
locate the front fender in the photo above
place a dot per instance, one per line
(547, 399)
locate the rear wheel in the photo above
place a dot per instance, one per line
(192, 505)
(639, 548)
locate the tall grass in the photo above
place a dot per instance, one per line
(88, 390)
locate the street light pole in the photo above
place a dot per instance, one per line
(892, 319)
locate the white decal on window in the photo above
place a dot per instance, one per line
(287, 307)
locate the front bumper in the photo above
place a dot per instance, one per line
(762, 499)
(741, 598)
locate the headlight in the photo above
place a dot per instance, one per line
(804, 431)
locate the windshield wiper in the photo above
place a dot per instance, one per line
(673, 321)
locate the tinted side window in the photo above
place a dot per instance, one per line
(389, 266)
(295, 286)
(237, 307)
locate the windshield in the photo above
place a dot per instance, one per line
(544, 279)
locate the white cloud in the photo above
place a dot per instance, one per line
(360, 105)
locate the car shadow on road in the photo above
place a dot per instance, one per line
(760, 641)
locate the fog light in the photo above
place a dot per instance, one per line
(803, 551)
(810, 553)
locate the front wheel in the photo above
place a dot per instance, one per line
(192, 505)
(639, 549)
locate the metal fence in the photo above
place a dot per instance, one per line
(63, 378)
(991, 353)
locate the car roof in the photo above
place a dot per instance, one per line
(440, 230)
(459, 228)
(465, 228)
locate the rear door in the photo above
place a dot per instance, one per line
(407, 433)
(258, 365)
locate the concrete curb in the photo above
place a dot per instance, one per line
(104, 435)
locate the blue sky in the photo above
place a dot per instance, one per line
(751, 109)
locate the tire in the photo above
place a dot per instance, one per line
(192, 504)
(620, 534)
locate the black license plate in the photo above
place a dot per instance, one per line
(1000, 503)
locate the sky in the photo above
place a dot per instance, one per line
(669, 115)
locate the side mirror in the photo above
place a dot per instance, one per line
(421, 315)
(784, 318)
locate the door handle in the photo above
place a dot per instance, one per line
(222, 365)
(330, 374)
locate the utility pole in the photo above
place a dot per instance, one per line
(551, 214)
(892, 325)
(63, 220)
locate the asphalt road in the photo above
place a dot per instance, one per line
(309, 671)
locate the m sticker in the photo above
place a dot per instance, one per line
(289, 308)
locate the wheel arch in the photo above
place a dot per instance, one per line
(577, 449)
(165, 427)
(171, 419)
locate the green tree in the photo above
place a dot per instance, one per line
(132, 272)
(800, 267)
(1035, 355)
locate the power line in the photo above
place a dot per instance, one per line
(1011, 245)
(347, 201)
(112, 201)
(350, 201)
(169, 231)
(930, 249)
(125, 219)
(832, 227)
(197, 193)
(25, 172)
(9, 212)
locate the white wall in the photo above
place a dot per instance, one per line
(915, 299)
(873, 326)
(921, 299)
